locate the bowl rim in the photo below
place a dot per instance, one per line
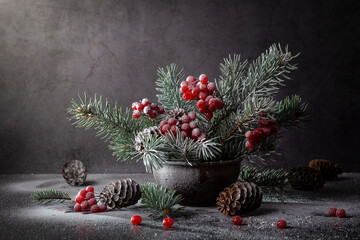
(193, 164)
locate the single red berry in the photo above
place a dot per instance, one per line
(79, 199)
(190, 79)
(195, 133)
(249, 146)
(140, 107)
(220, 104)
(193, 125)
(185, 127)
(258, 132)
(252, 139)
(94, 209)
(147, 109)
(162, 123)
(153, 106)
(135, 105)
(183, 83)
(165, 128)
(204, 109)
(168, 222)
(340, 213)
(211, 86)
(90, 189)
(203, 78)
(90, 195)
(248, 133)
(201, 104)
(136, 220)
(213, 102)
(237, 220)
(188, 96)
(184, 89)
(281, 224)
(172, 121)
(209, 115)
(173, 129)
(85, 205)
(82, 192)
(136, 114)
(208, 98)
(161, 109)
(102, 207)
(202, 87)
(266, 131)
(192, 115)
(202, 96)
(145, 102)
(184, 134)
(92, 201)
(332, 212)
(152, 114)
(77, 208)
(185, 119)
(195, 92)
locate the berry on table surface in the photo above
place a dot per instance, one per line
(136, 220)
(94, 209)
(102, 207)
(237, 220)
(281, 224)
(82, 192)
(332, 212)
(85, 205)
(79, 199)
(92, 202)
(90, 189)
(340, 213)
(77, 208)
(168, 222)
(89, 195)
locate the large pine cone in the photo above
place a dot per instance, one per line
(306, 178)
(122, 193)
(147, 132)
(74, 172)
(328, 170)
(238, 198)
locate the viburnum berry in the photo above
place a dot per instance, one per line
(190, 79)
(185, 119)
(136, 220)
(202, 87)
(249, 146)
(85, 205)
(161, 109)
(237, 220)
(184, 134)
(102, 207)
(145, 101)
(173, 129)
(77, 208)
(281, 224)
(172, 121)
(248, 133)
(193, 125)
(90, 189)
(83, 192)
(79, 199)
(202, 95)
(340, 213)
(211, 86)
(209, 115)
(207, 99)
(183, 83)
(185, 127)
(332, 212)
(94, 209)
(165, 128)
(203, 78)
(136, 114)
(196, 133)
(89, 195)
(205, 109)
(258, 132)
(168, 222)
(192, 115)
(201, 104)
(92, 201)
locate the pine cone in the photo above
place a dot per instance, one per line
(328, 170)
(176, 113)
(74, 172)
(122, 193)
(306, 178)
(238, 198)
(147, 132)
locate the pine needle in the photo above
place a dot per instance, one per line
(49, 195)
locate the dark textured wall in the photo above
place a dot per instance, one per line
(51, 50)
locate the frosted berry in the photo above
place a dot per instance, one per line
(136, 114)
(168, 222)
(147, 109)
(90, 189)
(202, 96)
(248, 133)
(211, 86)
(79, 199)
(145, 101)
(203, 87)
(185, 119)
(77, 208)
(140, 107)
(207, 99)
(201, 104)
(85, 205)
(92, 202)
(258, 132)
(161, 109)
(196, 133)
(190, 79)
(94, 209)
(203, 78)
(209, 115)
(184, 134)
(237, 220)
(90, 195)
(183, 83)
(152, 114)
(136, 220)
(172, 121)
(213, 102)
(185, 127)
(184, 89)
(153, 106)
(173, 129)
(195, 91)
(165, 128)
(249, 146)
(83, 192)
(192, 115)
(340, 213)
(332, 212)
(202, 137)
(102, 208)
(281, 224)
(134, 105)
(193, 125)
(162, 123)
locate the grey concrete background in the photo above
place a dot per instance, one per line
(51, 50)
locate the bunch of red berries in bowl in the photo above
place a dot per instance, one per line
(86, 200)
(268, 126)
(204, 92)
(147, 107)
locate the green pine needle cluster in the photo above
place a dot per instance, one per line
(160, 200)
(49, 195)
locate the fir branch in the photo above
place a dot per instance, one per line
(160, 200)
(291, 111)
(49, 195)
(168, 84)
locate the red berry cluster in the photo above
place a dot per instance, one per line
(267, 127)
(333, 212)
(203, 91)
(186, 125)
(145, 106)
(85, 199)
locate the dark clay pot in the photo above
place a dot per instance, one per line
(199, 184)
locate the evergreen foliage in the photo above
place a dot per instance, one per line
(160, 200)
(49, 195)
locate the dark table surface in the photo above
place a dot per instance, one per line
(305, 213)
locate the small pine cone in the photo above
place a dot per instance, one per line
(238, 198)
(176, 113)
(328, 170)
(306, 178)
(147, 132)
(74, 172)
(122, 193)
